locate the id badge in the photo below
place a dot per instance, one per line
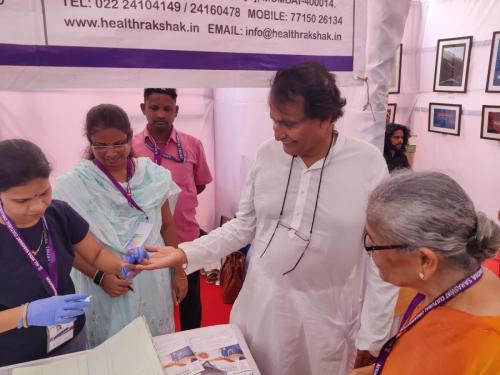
(139, 234)
(59, 334)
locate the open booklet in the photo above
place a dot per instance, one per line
(219, 354)
(130, 352)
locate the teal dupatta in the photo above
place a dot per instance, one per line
(112, 221)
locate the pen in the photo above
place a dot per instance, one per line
(128, 287)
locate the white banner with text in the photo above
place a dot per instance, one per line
(184, 43)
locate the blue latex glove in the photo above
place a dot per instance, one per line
(135, 255)
(56, 310)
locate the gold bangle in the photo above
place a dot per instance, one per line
(25, 313)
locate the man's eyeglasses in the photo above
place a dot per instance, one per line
(306, 240)
(116, 146)
(300, 235)
(380, 247)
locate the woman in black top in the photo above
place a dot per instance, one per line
(38, 241)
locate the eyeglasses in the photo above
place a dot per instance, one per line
(116, 146)
(381, 247)
(298, 234)
(306, 239)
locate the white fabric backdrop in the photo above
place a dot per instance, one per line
(54, 120)
(472, 161)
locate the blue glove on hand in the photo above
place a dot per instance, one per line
(135, 255)
(56, 310)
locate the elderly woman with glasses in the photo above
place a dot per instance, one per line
(127, 201)
(423, 232)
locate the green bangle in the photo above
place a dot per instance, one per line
(99, 275)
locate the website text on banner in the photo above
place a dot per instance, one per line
(214, 35)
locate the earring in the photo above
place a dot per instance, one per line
(421, 275)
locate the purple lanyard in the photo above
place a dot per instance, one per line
(126, 193)
(50, 279)
(159, 154)
(451, 293)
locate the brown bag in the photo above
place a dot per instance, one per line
(232, 276)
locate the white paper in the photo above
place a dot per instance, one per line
(221, 353)
(178, 357)
(130, 352)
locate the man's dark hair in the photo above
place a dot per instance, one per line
(106, 116)
(170, 92)
(313, 85)
(389, 131)
(20, 162)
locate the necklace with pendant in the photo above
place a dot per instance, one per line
(35, 252)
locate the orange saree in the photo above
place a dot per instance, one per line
(448, 342)
(494, 265)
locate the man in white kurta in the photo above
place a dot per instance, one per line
(309, 320)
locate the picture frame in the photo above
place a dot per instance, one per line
(390, 116)
(452, 64)
(490, 122)
(445, 118)
(395, 76)
(493, 80)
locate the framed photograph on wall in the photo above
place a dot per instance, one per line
(493, 82)
(490, 122)
(452, 64)
(445, 118)
(395, 77)
(390, 116)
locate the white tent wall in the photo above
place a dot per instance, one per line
(472, 161)
(54, 120)
(242, 123)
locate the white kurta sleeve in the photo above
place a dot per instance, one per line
(377, 314)
(232, 236)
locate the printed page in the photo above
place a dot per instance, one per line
(177, 357)
(221, 353)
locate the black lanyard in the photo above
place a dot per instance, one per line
(315, 203)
